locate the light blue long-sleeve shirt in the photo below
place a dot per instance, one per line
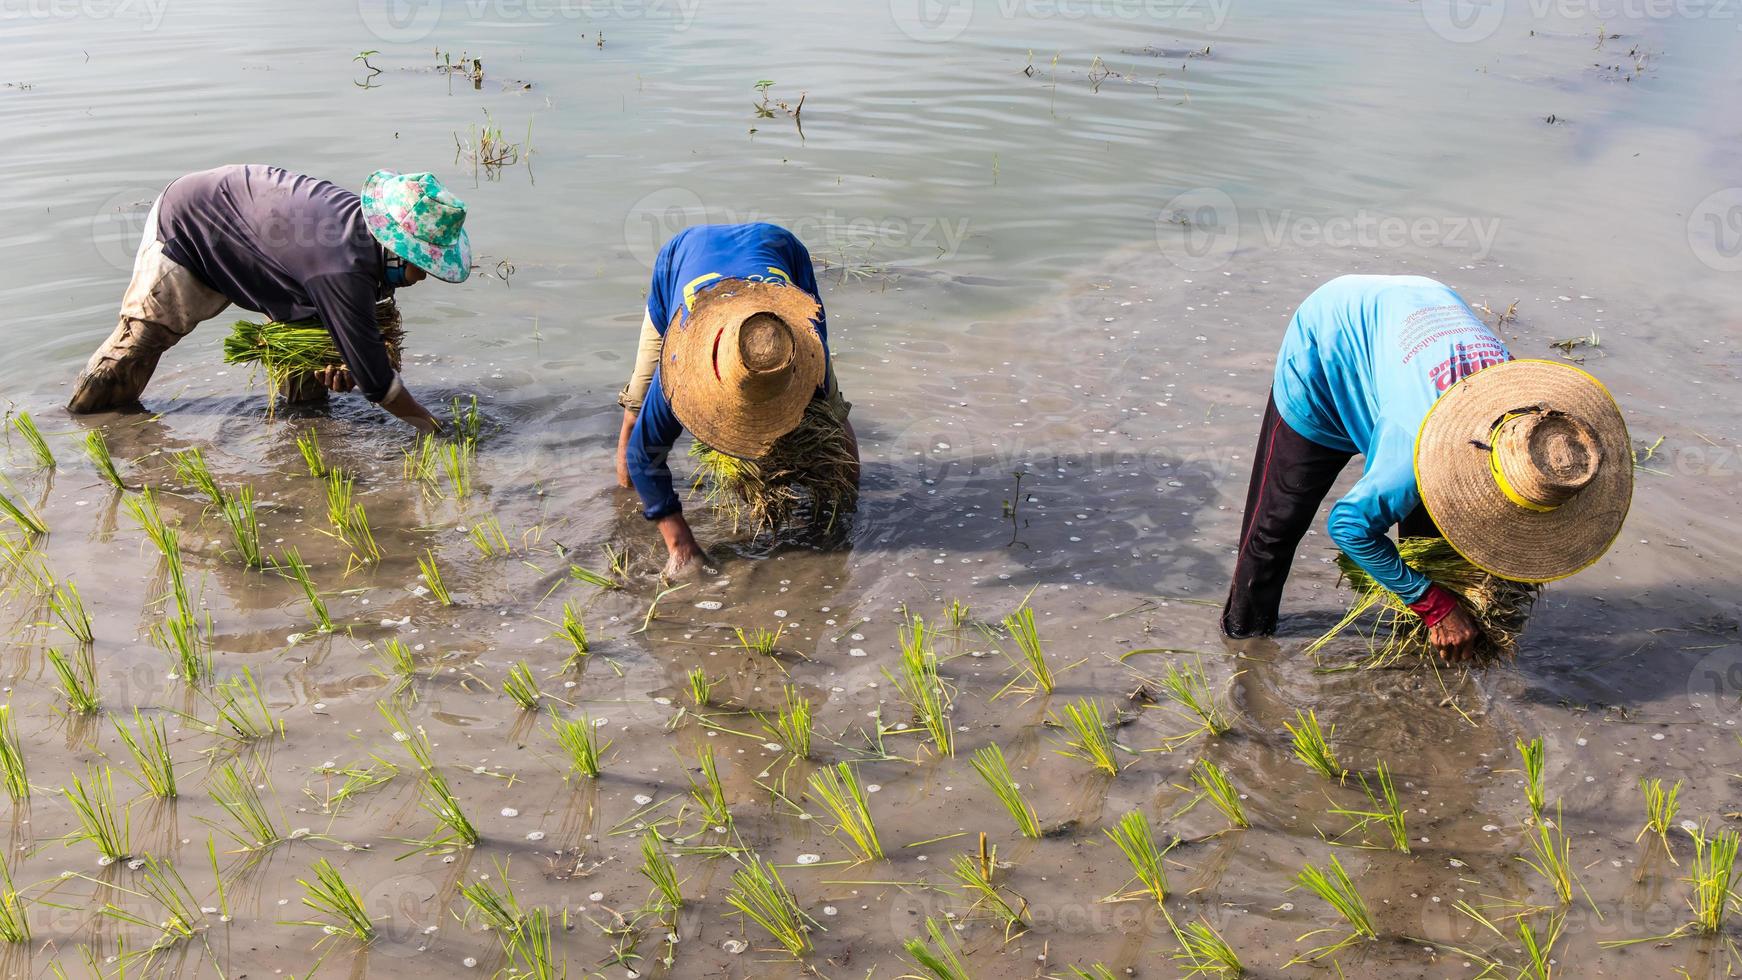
(1364, 360)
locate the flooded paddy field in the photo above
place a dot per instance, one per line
(1055, 290)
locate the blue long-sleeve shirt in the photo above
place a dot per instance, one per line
(695, 259)
(1364, 360)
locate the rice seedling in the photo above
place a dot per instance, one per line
(934, 955)
(1203, 952)
(290, 353)
(486, 535)
(1712, 872)
(12, 769)
(182, 637)
(1531, 753)
(432, 577)
(990, 763)
(97, 451)
(102, 822)
(468, 422)
(191, 470)
(759, 641)
(791, 727)
(838, 791)
(26, 427)
(179, 910)
(339, 905)
(243, 710)
(237, 511)
(358, 779)
(759, 894)
(78, 679)
(574, 631)
(421, 465)
(309, 445)
(1551, 857)
(143, 507)
(657, 868)
(593, 578)
(293, 567)
(920, 686)
(14, 915)
(439, 800)
(148, 742)
(1336, 890)
(349, 519)
(1387, 809)
(456, 461)
(710, 794)
(237, 796)
(521, 687)
(1020, 625)
(397, 663)
(23, 516)
(616, 562)
(497, 908)
(69, 610)
(972, 874)
(1188, 687)
(956, 614)
(25, 566)
(1135, 840)
(1089, 738)
(1539, 950)
(579, 739)
(1312, 745)
(1661, 806)
(1501, 608)
(531, 950)
(1095, 971)
(700, 688)
(1213, 784)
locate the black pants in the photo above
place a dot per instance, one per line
(1291, 475)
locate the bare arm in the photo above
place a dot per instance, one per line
(623, 448)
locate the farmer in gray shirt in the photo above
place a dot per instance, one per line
(289, 246)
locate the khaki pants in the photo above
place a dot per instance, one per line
(163, 304)
(647, 360)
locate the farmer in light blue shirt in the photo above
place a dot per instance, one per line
(734, 348)
(1364, 360)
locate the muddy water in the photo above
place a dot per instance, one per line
(1076, 273)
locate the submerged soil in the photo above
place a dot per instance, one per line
(1102, 486)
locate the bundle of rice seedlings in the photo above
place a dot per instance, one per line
(1500, 607)
(290, 353)
(812, 464)
(759, 894)
(26, 427)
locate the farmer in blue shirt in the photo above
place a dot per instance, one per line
(1524, 468)
(734, 348)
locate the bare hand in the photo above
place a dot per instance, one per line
(337, 378)
(1455, 637)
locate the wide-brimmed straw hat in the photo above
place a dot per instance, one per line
(420, 221)
(1527, 469)
(741, 366)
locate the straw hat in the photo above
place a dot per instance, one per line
(1527, 469)
(741, 366)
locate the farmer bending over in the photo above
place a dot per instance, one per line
(1523, 466)
(292, 247)
(734, 348)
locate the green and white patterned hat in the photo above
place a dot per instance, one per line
(417, 219)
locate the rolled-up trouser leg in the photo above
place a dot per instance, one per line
(163, 304)
(1290, 477)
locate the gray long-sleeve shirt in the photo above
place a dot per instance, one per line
(288, 245)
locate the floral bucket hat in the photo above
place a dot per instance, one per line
(417, 219)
